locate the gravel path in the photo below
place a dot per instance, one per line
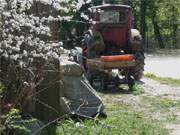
(154, 88)
(151, 89)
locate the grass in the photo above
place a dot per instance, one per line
(161, 104)
(166, 108)
(121, 120)
(172, 118)
(137, 89)
(164, 80)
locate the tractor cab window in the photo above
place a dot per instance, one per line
(112, 16)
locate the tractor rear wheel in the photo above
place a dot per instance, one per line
(137, 71)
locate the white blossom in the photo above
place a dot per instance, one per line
(80, 3)
(84, 16)
(46, 2)
(21, 32)
(88, 1)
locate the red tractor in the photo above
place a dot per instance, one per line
(111, 43)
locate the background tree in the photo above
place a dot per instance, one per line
(143, 20)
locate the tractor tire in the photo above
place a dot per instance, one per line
(138, 51)
(96, 79)
(137, 71)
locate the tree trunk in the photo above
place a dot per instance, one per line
(143, 20)
(174, 28)
(158, 33)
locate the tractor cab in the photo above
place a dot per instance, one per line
(113, 22)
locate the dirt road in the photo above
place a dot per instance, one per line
(163, 65)
(168, 95)
(159, 101)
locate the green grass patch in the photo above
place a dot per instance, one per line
(166, 107)
(137, 89)
(164, 80)
(172, 118)
(121, 120)
(161, 104)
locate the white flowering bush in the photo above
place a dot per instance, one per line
(27, 31)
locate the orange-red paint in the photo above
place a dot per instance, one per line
(117, 58)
